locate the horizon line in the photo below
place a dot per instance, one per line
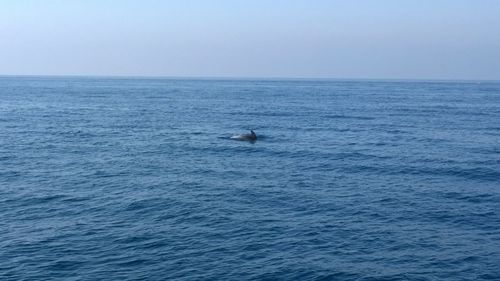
(262, 78)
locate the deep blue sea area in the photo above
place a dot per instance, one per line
(138, 179)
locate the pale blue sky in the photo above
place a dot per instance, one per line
(410, 39)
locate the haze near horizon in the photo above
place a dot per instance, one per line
(309, 39)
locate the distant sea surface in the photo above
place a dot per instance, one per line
(138, 179)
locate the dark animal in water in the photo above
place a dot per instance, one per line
(245, 137)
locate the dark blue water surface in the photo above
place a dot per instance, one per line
(137, 179)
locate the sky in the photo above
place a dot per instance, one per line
(359, 39)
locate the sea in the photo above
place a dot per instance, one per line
(138, 179)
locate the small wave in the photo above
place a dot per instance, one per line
(480, 174)
(334, 116)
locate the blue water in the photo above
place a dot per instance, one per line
(138, 179)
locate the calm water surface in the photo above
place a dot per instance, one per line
(137, 179)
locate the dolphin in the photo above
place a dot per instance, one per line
(245, 137)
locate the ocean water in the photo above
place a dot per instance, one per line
(138, 179)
